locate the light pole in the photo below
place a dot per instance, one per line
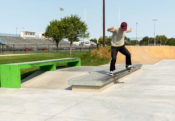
(119, 17)
(154, 20)
(136, 33)
(16, 31)
(61, 9)
(136, 29)
(103, 23)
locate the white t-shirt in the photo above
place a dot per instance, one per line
(118, 37)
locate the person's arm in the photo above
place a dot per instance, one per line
(111, 29)
(129, 30)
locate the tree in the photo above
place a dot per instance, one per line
(94, 40)
(132, 42)
(161, 39)
(55, 31)
(144, 41)
(151, 41)
(171, 42)
(107, 40)
(100, 40)
(74, 29)
(127, 40)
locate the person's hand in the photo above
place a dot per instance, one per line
(111, 29)
(129, 30)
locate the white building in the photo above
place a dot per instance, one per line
(76, 43)
(41, 35)
(27, 34)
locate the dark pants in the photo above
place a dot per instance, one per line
(123, 50)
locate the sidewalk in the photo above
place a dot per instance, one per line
(147, 95)
(14, 54)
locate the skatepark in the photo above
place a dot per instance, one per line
(146, 94)
(75, 60)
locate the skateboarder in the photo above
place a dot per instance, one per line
(118, 44)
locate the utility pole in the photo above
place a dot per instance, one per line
(104, 23)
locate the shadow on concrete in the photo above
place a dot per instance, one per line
(33, 75)
(102, 72)
(28, 76)
(68, 88)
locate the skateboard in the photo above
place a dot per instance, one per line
(130, 70)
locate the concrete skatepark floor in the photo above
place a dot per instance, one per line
(147, 95)
(59, 79)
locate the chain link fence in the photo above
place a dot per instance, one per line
(41, 47)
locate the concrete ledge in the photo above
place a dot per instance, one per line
(79, 88)
(10, 74)
(99, 80)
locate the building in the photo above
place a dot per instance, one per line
(27, 34)
(41, 36)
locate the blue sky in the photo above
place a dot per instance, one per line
(35, 15)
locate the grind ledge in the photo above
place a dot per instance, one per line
(97, 81)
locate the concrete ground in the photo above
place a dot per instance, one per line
(59, 79)
(147, 95)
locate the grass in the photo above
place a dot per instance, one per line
(86, 59)
(92, 60)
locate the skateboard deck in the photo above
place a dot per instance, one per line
(127, 71)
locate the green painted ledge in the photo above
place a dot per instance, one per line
(10, 74)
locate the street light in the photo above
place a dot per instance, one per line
(136, 29)
(136, 33)
(154, 20)
(16, 31)
(61, 9)
(103, 23)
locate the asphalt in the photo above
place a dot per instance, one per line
(146, 95)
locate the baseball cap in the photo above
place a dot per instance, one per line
(123, 26)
